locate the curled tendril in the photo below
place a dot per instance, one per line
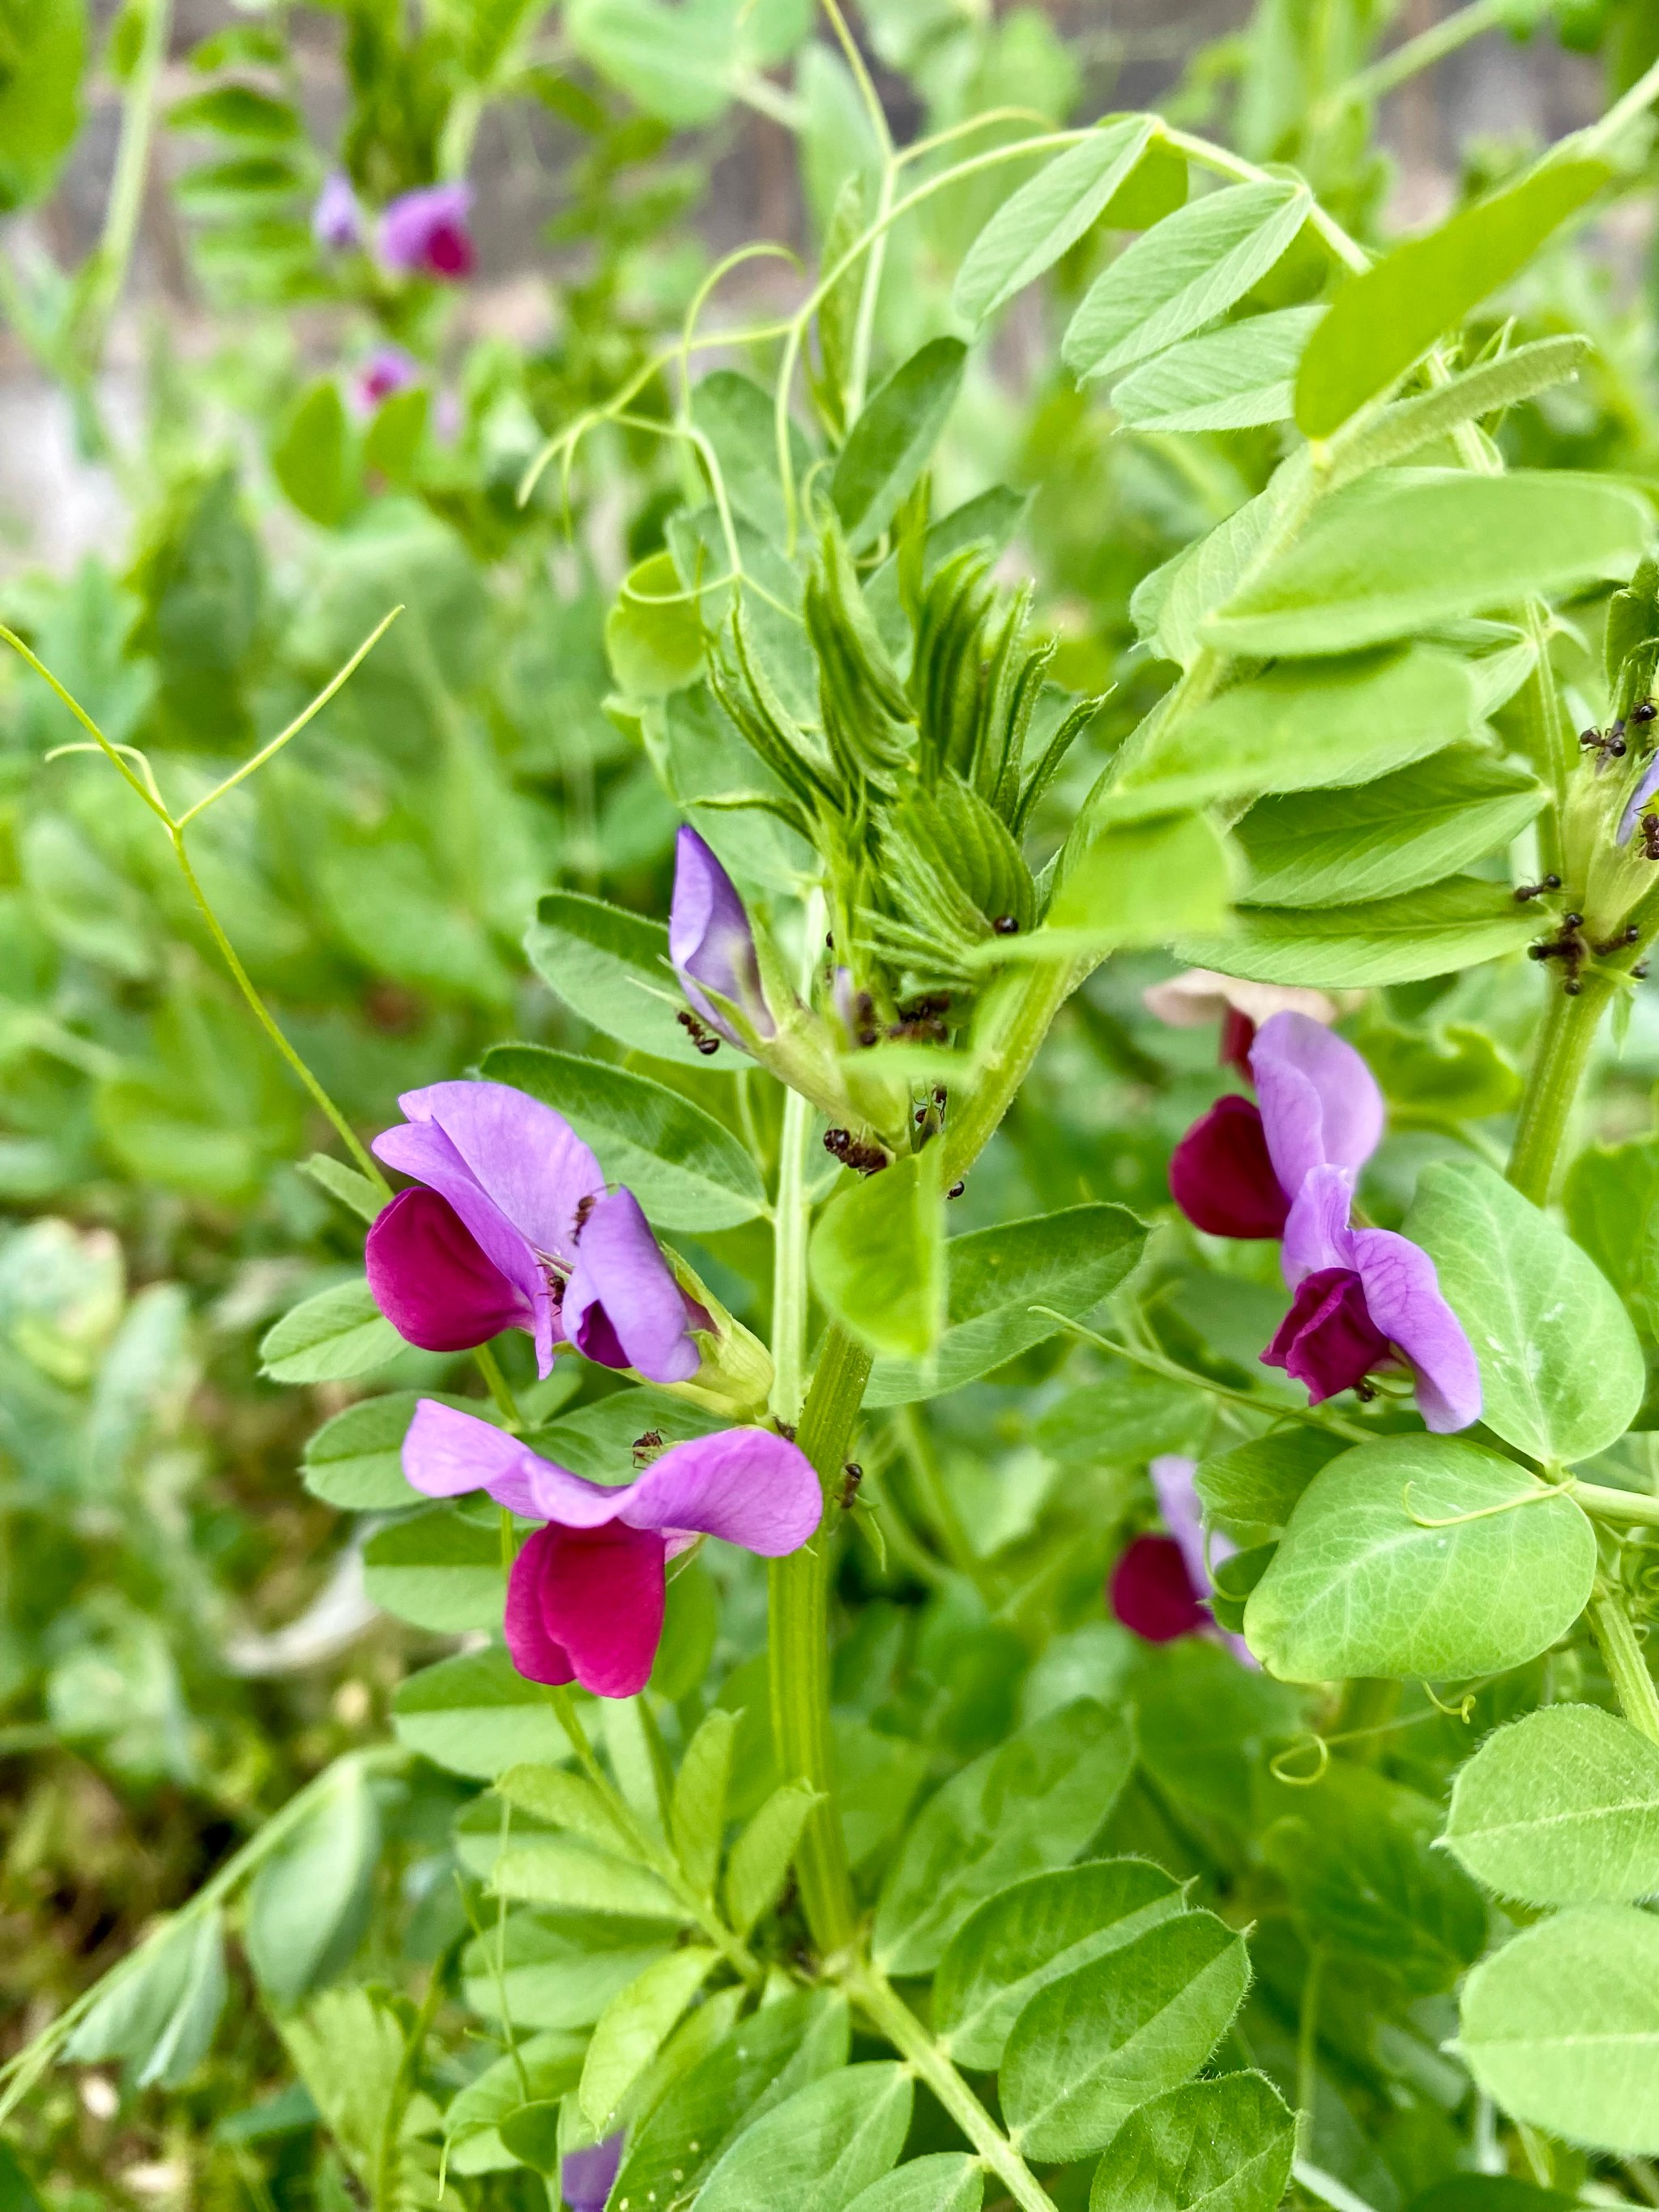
(1462, 1711)
(1480, 1512)
(1278, 1766)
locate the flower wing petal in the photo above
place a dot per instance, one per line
(1316, 1232)
(447, 1452)
(751, 1487)
(1402, 1292)
(1320, 1102)
(526, 1158)
(622, 1305)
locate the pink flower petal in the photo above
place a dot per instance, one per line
(1151, 1592)
(622, 1305)
(1320, 1102)
(1317, 1231)
(710, 940)
(749, 1487)
(533, 1650)
(432, 1280)
(595, 1594)
(526, 1159)
(1328, 1340)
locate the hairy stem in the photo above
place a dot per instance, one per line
(1560, 1057)
(875, 1996)
(1627, 1667)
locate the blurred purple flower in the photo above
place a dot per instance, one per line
(424, 234)
(1288, 1169)
(711, 942)
(388, 369)
(336, 220)
(512, 1226)
(585, 2176)
(1159, 1587)
(585, 1599)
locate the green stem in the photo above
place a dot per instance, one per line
(501, 1390)
(895, 2020)
(789, 1262)
(1627, 1667)
(105, 274)
(1018, 1012)
(799, 1647)
(1562, 1053)
(1609, 1505)
(1419, 53)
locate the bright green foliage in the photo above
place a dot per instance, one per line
(828, 2141)
(878, 1259)
(1223, 2146)
(1561, 1809)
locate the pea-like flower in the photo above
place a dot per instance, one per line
(585, 2176)
(387, 369)
(1364, 1297)
(1159, 1588)
(711, 942)
(336, 220)
(511, 1226)
(424, 234)
(585, 1598)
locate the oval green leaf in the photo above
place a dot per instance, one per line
(1046, 217)
(820, 2148)
(892, 442)
(611, 968)
(1561, 1809)
(337, 1334)
(1438, 930)
(1221, 2146)
(1227, 380)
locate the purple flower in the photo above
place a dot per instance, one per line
(336, 220)
(1160, 1586)
(585, 2176)
(388, 369)
(1364, 1297)
(1638, 799)
(424, 232)
(512, 1227)
(585, 1599)
(711, 942)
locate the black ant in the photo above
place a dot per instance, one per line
(957, 1187)
(584, 1206)
(699, 1036)
(1618, 943)
(1651, 837)
(1006, 925)
(644, 1446)
(851, 1475)
(1569, 948)
(1536, 891)
(862, 1159)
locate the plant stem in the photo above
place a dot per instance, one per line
(1421, 52)
(1018, 1012)
(1627, 1667)
(1562, 1053)
(798, 1642)
(1611, 1504)
(876, 1996)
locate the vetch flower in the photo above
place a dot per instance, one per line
(1160, 1584)
(424, 232)
(336, 220)
(388, 369)
(585, 1598)
(511, 1226)
(711, 942)
(1287, 1168)
(585, 2176)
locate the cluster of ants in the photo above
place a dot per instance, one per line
(1568, 945)
(1609, 744)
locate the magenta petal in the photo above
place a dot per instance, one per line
(599, 1595)
(1329, 1340)
(1402, 1292)
(1320, 1102)
(424, 232)
(710, 940)
(1221, 1177)
(1152, 1594)
(433, 1281)
(751, 1487)
(622, 1305)
(533, 1651)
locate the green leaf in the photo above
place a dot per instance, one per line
(1029, 1806)
(820, 2148)
(162, 2009)
(1381, 321)
(1048, 216)
(698, 1811)
(1030, 1934)
(685, 1169)
(45, 53)
(632, 2027)
(1366, 1583)
(308, 1904)
(654, 634)
(878, 1257)
(337, 1334)
(1122, 1421)
(353, 1191)
(1561, 2027)
(1304, 727)
(437, 1570)
(1382, 839)
(1407, 549)
(1133, 883)
(675, 63)
(549, 1792)
(1438, 930)
(1089, 2048)
(945, 2181)
(1221, 2146)
(1252, 1490)
(1410, 424)
(1227, 380)
(314, 460)
(1183, 274)
(356, 1461)
(760, 1857)
(1561, 1808)
(1561, 1369)
(565, 1872)
(611, 968)
(236, 111)
(893, 440)
(764, 2060)
(555, 1973)
(1171, 606)
(1069, 1260)
(475, 1714)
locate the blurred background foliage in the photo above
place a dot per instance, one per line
(206, 508)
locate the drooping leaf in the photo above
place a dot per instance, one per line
(632, 2027)
(1561, 2027)
(1182, 274)
(1029, 1806)
(1032, 1933)
(1381, 1571)
(698, 1811)
(1047, 216)
(1562, 1807)
(308, 1904)
(1221, 2146)
(878, 1257)
(760, 1855)
(1089, 2048)
(160, 2013)
(1561, 1369)
(1381, 321)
